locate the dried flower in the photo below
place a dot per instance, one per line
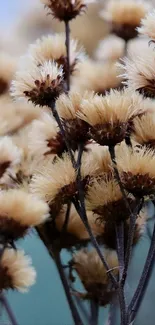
(147, 25)
(104, 197)
(111, 48)
(139, 72)
(97, 76)
(109, 117)
(41, 85)
(53, 48)
(19, 211)
(7, 71)
(45, 137)
(16, 271)
(125, 16)
(67, 107)
(144, 130)
(137, 169)
(93, 274)
(66, 10)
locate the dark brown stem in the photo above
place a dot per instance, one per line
(140, 291)
(67, 31)
(8, 309)
(120, 246)
(64, 228)
(94, 306)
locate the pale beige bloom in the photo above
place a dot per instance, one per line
(45, 137)
(137, 169)
(147, 25)
(125, 12)
(97, 76)
(139, 72)
(7, 71)
(53, 48)
(137, 46)
(20, 210)
(67, 10)
(90, 268)
(41, 85)
(144, 130)
(111, 48)
(16, 271)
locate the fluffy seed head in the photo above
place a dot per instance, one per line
(125, 16)
(19, 211)
(45, 137)
(144, 130)
(111, 48)
(66, 10)
(140, 71)
(109, 116)
(16, 271)
(147, 25)
(104, 197)
(137, 169)
(93, 274)
(53, 48)
(41, 85)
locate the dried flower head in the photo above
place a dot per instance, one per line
(109, 117)
(10, 156)
(41, 85)
(147, 25)
(144, 130)
(16, 271)
(104, 197)
(97, 76)
(125, 16)
(93, 274)
(137, 169)
(7, 71)
(45, 137)
(67, 107)
(139, 72)
(66, 10)
(99, 157)
(111, 48)
(19, 211)
(53, 48)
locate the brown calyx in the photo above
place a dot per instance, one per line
(5, 279)
(100, 292)
(65, 10)
(115, 211)
(125, 31)
(3, 86)
(149, 90)
(3, 167)
(56, 145)
(108, 134)
(11, 229)
(43, 95)
(76, 131)
(140, 185)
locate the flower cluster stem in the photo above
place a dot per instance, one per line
(67, 31)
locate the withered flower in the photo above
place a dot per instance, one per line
(19, 211)
(40, 85)
(93, 275)
(104, 197)
(45, 137)
(75, 128)
(144, 130)
(66, 10)
(53, 48)
(137, 169)
(109, 117)
(125, 16)
(147, 27)
(140, 71)
(16, 271)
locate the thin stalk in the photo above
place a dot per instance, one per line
(120, 246)
(143, 282)
(8, 309)
(58, 120)
(67, 31)
(94, 312)
(122, 302)
(64, 228)
(82, 308)
(75, 314)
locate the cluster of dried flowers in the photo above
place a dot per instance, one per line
(77, 152)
